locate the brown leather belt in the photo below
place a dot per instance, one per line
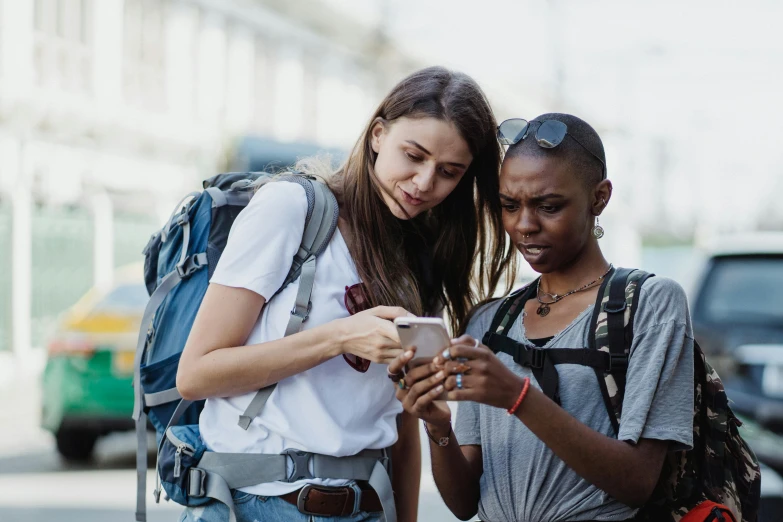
(333, 502)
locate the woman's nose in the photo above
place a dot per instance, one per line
(425, 178)
(527, 223)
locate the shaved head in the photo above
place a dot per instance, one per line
(580, 161)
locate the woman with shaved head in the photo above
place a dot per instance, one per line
(534, 440)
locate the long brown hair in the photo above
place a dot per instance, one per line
(456, 253)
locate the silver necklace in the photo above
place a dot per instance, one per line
(543, 308)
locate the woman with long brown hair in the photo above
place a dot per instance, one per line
(418, 191)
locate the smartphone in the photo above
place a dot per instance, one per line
(427, 334)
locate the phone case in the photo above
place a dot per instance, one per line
(427, 334)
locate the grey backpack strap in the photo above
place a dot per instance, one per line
(301, 309)
(255, 406)
(380, 481)
(215, 487)
(318, 231)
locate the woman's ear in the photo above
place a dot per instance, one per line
(376, 134)
(601, 196)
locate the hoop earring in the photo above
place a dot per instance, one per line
(598, 230)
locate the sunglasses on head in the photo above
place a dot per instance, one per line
(549, 134)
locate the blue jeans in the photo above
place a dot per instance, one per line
(255, 508)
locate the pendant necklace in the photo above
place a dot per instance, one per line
(543, 308)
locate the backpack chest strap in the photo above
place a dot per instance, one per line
(542, 361)
(531, 357)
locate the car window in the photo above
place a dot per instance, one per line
(124, 298)
(743, 290)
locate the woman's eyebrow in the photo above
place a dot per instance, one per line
(425, 151)
(534, 199)
(544, 197)
(419, 146)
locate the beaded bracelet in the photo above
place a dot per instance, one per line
(525, 386)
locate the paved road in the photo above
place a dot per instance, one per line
(35, 486)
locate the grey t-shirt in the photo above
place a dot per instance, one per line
(523, 479)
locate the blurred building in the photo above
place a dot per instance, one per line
(112, 109)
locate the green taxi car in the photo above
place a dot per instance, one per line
(87, 381)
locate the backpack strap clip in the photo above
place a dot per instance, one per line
(301, 460)
(183, 217)
(618, 361)
(615, 308)
(191, 265)
(197, 483)
(302, 312)
(534, 358)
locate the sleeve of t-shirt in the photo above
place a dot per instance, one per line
(263, 240)
(468, 425)
(658, 401)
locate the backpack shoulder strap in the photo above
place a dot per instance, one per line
(612, 327)
(322, 214)
(507, 313)
(321, 222)
(497, 340)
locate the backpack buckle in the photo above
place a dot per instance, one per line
(191, 264)
(617, 361)
(610, 308)
(183, 217)
(536, 358)
(302, 312)
(301, 461)
(197, 479)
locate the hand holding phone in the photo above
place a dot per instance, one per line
(428, 335)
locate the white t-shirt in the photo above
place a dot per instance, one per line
(330, 409)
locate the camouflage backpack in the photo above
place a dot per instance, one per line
(719, 479)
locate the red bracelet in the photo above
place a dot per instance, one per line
(525, 386)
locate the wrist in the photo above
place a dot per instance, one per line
(512, 392)
(440, 435)
(334, 334)
(520, 397)
(439, 429)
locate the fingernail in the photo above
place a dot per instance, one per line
(446, 354)
(439, 375)
(439, 388)
(409, 353)
(437, 361)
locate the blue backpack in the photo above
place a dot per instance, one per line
(179, 261)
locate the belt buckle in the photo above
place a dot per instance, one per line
(301, 499)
